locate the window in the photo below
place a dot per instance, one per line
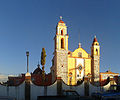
(62, 43)
(80, 54)
(96, 51)
(80, 67)
(61, 32)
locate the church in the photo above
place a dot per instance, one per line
(73, 66)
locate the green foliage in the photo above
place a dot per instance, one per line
(43, 56)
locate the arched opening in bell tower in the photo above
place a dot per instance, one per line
(61, 32)
(62, 43)
(96, 51)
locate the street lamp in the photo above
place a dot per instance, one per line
(27, 54)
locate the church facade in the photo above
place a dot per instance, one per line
(73, 66)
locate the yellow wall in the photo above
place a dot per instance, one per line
(84, 53)
(72, 64)
(71, 68)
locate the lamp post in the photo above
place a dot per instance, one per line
(27, 54)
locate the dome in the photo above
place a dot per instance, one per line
(37, 70)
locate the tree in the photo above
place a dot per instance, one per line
(43, 61)
(43, 56)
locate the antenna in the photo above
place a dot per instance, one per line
(79, 36)
(109, 69)
(79, 45)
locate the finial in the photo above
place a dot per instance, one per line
(60, 17)
(38, 64)
(95, 36)
(79, 45)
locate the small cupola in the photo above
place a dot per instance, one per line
(61, 21)
(95, 42)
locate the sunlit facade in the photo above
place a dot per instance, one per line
(73, 66)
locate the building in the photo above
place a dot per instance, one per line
(36, 77)
(107, 76)
(71, 67)
(15, 80)
(76, 65)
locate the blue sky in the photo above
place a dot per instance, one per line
(29, 25)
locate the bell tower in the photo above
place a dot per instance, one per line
(95, 61)
(61, 51)
(61, 38)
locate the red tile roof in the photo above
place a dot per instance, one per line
(61, 21)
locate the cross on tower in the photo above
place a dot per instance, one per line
(60, 17)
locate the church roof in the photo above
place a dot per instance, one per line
(94, 41)
(108, 72)
(37, 70)
(84, 53)
(38, 79)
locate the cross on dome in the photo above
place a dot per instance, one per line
(38, 64)
(95, 36)
(60, 17)
(61, 20)
(79, 45)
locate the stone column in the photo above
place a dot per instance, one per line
(59, 86)
(27, 86)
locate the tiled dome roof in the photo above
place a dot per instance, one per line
(37, 70)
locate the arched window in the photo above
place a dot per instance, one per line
(96, 51)
(62, 43)
(80, 54)
(61, 32)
